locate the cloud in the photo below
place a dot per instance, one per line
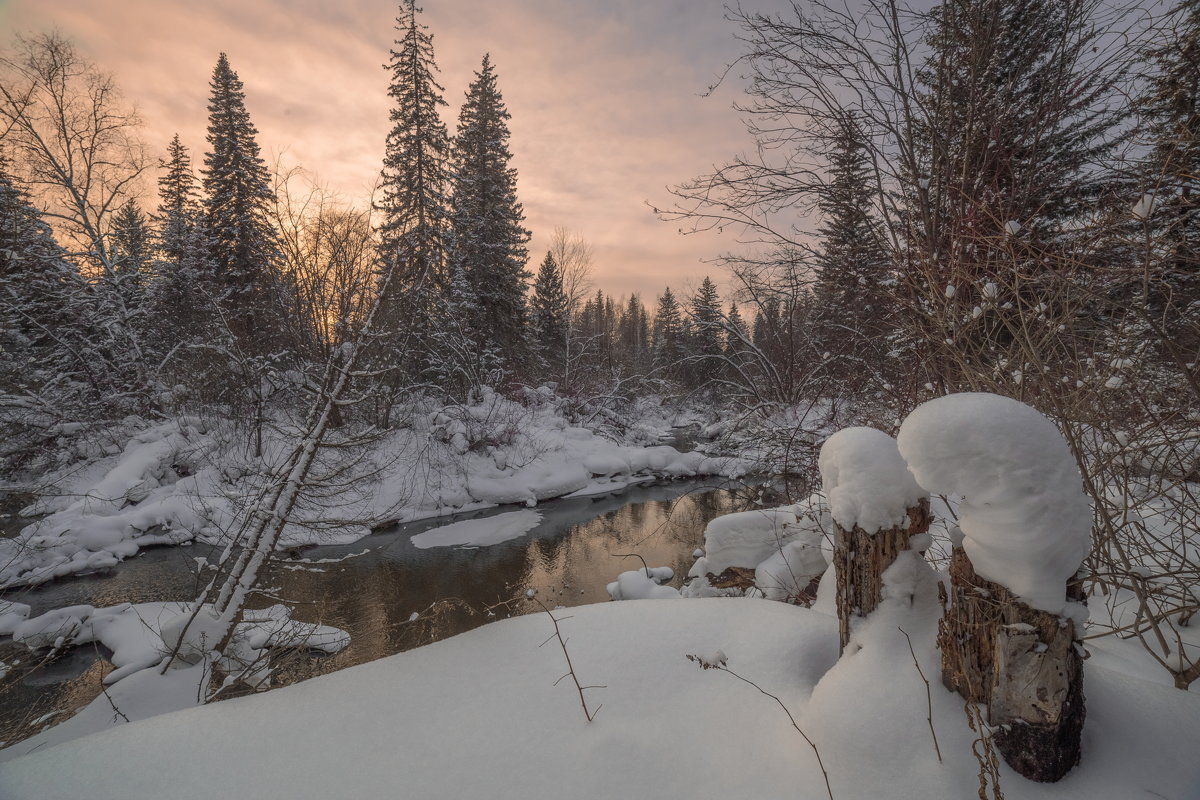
(604, 97)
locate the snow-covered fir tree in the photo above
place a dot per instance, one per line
(414, 183)
(237, 196)
(183, 293)
(1014, 116)
(707, 332)
(177, 209)
(633, 334)
(737, 342)
(549, 317)
(668, 334)
(853, 261)
(131, 251)
(45, 313)
(461, 358)
(1012, 120)
(487, 238)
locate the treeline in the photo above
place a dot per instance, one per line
(231, 291)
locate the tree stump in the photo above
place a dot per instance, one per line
(1022, 664)
(861, 558)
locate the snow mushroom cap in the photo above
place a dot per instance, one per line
(866, 480)
(1024, 516)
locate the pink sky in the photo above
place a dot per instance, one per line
(604, 95)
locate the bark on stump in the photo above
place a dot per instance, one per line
(1022, 664)
(861, 558)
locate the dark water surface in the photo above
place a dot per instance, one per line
(384, 579)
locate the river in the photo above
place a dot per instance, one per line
(373, 587)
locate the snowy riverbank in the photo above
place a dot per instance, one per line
(480, 715)
(188, 479)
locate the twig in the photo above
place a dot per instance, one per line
(705, 664)
(591, 715)
(639, 558)
(116, 711)
(928, 694)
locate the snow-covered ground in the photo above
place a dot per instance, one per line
(480, 715)
(187, 480)
(487, 714)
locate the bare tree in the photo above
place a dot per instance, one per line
(72, 141)
(329, 254)
(574, 258)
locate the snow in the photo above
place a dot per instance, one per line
(637, 585)
(866, 481)
(1145, 206)
(479, 532)
(136, 633)
(1024, 516)
(787, 547)
(789, 570)
(12, 614)
(179, 481)
(747, 538)
(481, 715)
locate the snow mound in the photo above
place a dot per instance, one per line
(140, 635)
(746, 538)
(866, 480)
(637, 585)
(786, 547)
(790, 570)
(1024, 516)
(12, 614)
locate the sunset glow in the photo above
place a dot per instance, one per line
(605, 99)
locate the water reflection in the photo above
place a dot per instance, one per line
(568, 559)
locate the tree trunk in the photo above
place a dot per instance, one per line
(1023, 664)
(860, 559)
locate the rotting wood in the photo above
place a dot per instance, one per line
(1020, 663)
(861, 558)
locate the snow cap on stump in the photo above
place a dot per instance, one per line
(866, 481)
(1024, 516)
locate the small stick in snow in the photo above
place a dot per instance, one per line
(720, 665)
(928, 694)
(591, 715)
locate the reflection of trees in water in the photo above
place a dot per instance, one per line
(569, 558)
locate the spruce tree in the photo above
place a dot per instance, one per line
(550, 316)
(707, 329)
(131, 249)
(415, 177)
(736, 334)
(634, 334)
(853, 262)
(1014, 117)
(1171, 108)
(486, 233)
(177, 202)
(668, 334)
(45, 313)
(238, 195)
(183, 293)
(1013, 120)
